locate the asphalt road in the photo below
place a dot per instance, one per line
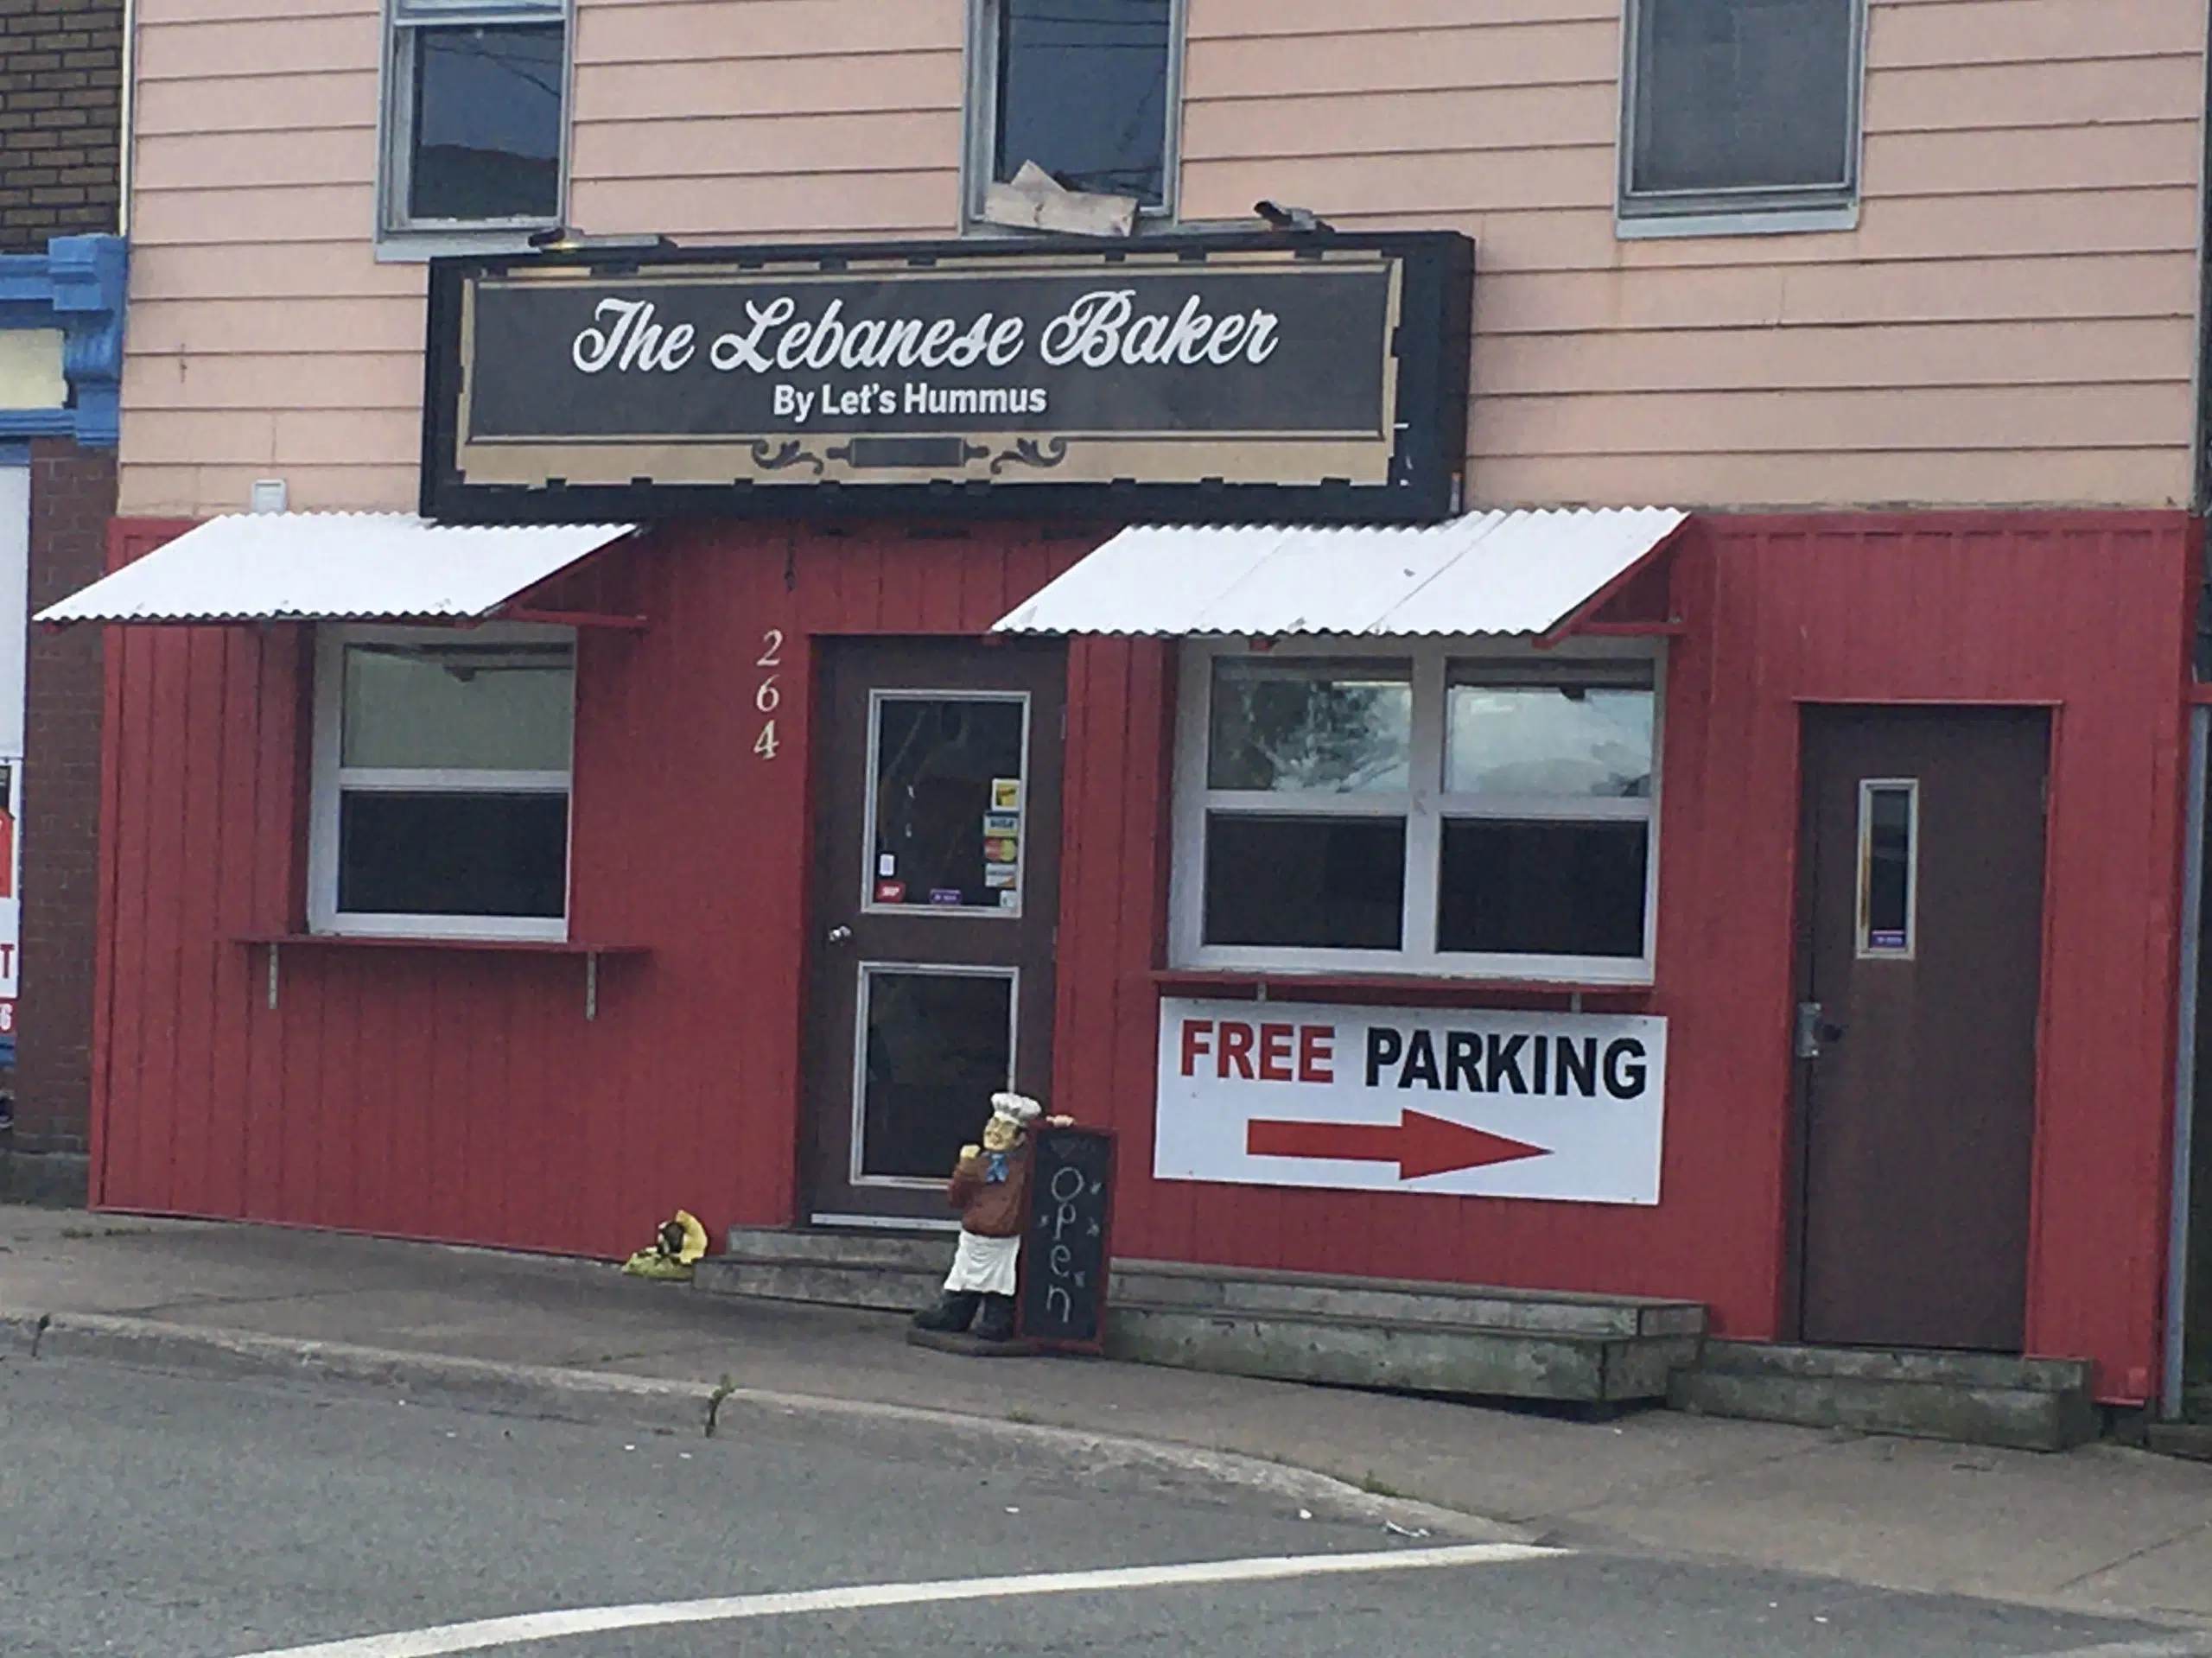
(163, 1516)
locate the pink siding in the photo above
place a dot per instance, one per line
(2012, 320)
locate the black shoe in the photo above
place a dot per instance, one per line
(952, 1311)
(997, 1323)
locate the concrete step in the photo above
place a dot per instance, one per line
(1416, 1335)
(1412, 1302)
(887, 1271)
(1357, 1351)
(1974, 1398)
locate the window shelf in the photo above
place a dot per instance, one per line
(1421, 989)
(278, 943)
(400, 941)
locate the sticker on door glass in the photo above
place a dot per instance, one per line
(945, 807)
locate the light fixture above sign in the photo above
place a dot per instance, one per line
(1242, 377)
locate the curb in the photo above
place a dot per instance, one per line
(709, 1410)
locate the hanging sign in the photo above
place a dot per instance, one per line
(1481, 1103)
(1198, 378)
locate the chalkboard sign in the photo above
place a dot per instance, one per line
(1068, 1254)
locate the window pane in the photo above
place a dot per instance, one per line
(1889, 870)
(504, 708)
(1542, 888)
(1738, 94)
(939, 1046)
(453, 854)
(1083, 93)
(950, 809)
(1553, 739)
(1317, 882)
(486, 123)
(1341, 729)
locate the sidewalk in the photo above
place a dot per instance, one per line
(2103, 1528)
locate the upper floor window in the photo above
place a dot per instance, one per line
(1739, 111)
(474, 120)
(1083, 88)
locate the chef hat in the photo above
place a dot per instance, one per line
(1017, 1109)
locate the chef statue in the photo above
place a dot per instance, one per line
(990, 1188)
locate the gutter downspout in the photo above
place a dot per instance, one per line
(126, 117)
(2175, 1333)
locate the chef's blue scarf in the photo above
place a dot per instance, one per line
(994, 1168)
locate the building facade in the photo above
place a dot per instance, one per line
(1785, 855)
(62, 282)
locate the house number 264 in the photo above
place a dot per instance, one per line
(766, 697)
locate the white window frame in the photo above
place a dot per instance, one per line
(330, 779)
(877, 698)
(399, 235)
(979, 150)
(1868, 950)
(1424, 805)
(1743, 211)
(857, 1145)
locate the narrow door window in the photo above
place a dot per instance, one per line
(1889, 848)
(948, 790)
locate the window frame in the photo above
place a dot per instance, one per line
(1424, 806)
(1864, 948)
(1751, 210)
(400, 235)
(328, 779)
(979, 142)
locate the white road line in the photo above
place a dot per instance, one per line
(486, 1634)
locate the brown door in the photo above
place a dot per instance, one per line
(936, 896)
(1920, 943)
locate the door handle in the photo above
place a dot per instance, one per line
(841, 935)
(1807, 1044)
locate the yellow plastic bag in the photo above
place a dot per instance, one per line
(679, 1242)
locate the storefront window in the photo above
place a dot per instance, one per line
(1456, 810)
(441, 782)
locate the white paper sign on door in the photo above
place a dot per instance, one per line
(1564, 1106)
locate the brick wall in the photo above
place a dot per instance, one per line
(60, 103)
(72, 495)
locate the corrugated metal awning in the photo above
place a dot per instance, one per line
(1528, 573)
(333, 567)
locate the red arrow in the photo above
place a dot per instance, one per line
(1418, 1145)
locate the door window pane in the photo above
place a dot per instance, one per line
(1083, 93)
(1743, 95)
(1888, 814)
(1342, 728)
(935, 1047)
(440, 707)
(951, 812)
(1556, 741)
(1310, 882)
(457, 854)
(1547, 888)
(487, 126)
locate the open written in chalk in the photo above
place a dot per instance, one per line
(1069, 1254)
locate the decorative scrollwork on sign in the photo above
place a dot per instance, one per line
(790, 453)
(1030, 453)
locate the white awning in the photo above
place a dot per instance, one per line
(333, 567)
(1488, 573)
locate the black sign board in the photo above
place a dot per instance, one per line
(1266, 378)
(1068, 1254)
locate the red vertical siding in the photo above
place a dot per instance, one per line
(464, 1095)
(2090, 614)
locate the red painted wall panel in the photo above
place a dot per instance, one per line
(464, 1095)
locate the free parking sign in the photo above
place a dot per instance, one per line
(1569, 1107)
